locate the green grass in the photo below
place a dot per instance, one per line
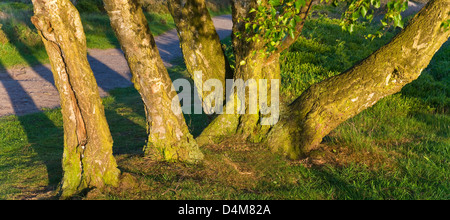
(398, 149)
(324, 51)
(26, 48)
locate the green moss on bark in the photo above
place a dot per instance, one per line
(324, 106)
(168, 135)
(87, 158)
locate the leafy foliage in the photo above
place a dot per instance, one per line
(365, 9)
(275, 20)
(446, 25)
(324, 50)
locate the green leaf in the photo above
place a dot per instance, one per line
(370, 17)
(376, 3)
(292, 23)
(355, 15)
(273, 11)
(299, 4)
(446, 25)
(351, 28)
(398, 22)
(275, 3)
(291, 33)
(363, 11)
(405, 6)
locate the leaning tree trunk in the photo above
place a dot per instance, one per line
(252, 63)
(324, 106)
(169, 138)
(200, 43)
(88, 160)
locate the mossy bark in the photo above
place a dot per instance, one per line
(252, 63)
(200, 43)
(169, 138)
(3, 38)
(88, 158)
(324, 106)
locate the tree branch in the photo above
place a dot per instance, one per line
(325, 105)
(298, 30)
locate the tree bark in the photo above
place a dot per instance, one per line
(169, 138)
(324, 106)
(251, 63)
(88, 158)
(3, 38)
(200, 43)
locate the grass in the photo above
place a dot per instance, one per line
(398, 149)
(24, 46)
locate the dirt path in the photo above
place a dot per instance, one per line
(31, 89)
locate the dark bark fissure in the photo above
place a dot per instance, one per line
(87, 160)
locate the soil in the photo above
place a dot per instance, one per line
(25, 90)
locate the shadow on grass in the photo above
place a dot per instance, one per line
(125, 114)
(38, 128)
(46, 139)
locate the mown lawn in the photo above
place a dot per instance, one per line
(398, 149)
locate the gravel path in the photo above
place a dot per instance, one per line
(30, 89)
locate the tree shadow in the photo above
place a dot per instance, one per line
(38, 128)
(25, 52)
(126, 119)
(342, 189)
(106, 77)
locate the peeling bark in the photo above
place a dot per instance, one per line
(324, 106)
(88, 160)
(169, 138)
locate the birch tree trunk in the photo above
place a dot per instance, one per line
(169, 138)
(200, 43)
(88, 158)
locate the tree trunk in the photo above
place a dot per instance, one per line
(169, 138)
(324, 106)
(88, 160)
(3, 38)
(200, 44)
(251, 64)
